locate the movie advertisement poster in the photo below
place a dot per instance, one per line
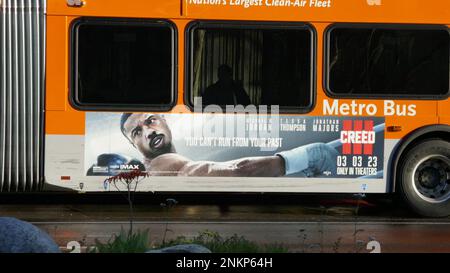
(235, 145)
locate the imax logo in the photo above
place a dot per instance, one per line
(129, 167)
(374, 2)
(357, 137)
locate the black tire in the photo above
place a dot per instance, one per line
(424, 177)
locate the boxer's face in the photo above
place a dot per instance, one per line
(149, 133)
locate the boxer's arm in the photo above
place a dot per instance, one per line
(312, 159)
(268, 166)
(174, 164)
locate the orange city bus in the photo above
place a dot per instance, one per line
(275, 96)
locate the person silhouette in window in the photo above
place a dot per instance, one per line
(225, 91)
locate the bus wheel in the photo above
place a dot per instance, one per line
(425, 178)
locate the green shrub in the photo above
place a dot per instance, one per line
(234, 244)
(124, 243)
(138, 242)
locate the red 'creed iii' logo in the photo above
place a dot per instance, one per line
(357, 137)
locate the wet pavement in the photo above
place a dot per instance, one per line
(343, 223)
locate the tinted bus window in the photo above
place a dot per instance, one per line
(260, 65)
(124, 64)
(379, 61)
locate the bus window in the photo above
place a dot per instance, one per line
(123, 65)
(252, 64)
(388, 62)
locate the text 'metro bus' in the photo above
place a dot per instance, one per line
(275, 96)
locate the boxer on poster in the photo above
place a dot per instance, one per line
(152, 137)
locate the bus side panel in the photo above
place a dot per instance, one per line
(61, 118)
(388, 11)
(66, 144)
(117, 8)
(65, 169)
(444, 112)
